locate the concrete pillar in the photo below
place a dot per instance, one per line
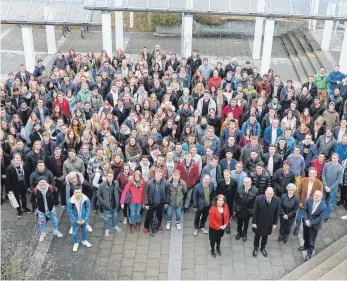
(258, 32)
(50, 32)
(28, 44)
(343, 55)
(315, 8)
(187, 35)
(131, 20)
(119, 28)
(267, 45)
(106, 32)
(328, 28)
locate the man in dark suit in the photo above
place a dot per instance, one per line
(313, 217)
(311, 87)
(265, 217)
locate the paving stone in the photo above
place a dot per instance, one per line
(127, 262)
(138, 276)
(252, 270)
(278, 269)
(153, 254)
(253, 276)
(227, 269)
(163, 268)
(240, 274)
(239, 265)
(140, 266)
(142, 250)
(129, 253)
(152, 271)
(141, 258)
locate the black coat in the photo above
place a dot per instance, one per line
(289, 206)
(313, 91)
(244, 202)
(109, 196)
(228, 190)
(261, 182)
(277, 161)
(38, 201)
(12, 182)
(280, 180)
(163, 189)
(51, 165)
(264, 215)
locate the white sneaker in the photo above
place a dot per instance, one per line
(42, 237)
(204, 230)
(107, 233)
(178, 225)
(70, 231)
(58, 234)
(86, 243)
(195, 232)
(125, 221)
(168, 225)
(344, 217)
(89, 228)
(75, 247)
(117, 229)
(102, 215)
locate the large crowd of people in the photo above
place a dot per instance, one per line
(131, 137)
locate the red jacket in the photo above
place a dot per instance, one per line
(216, 218)
(214, 81)
(137, 194)
(189, 177)
(64, 107)
(319, 167)
(237, 112)
(266, 85)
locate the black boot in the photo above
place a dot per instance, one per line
(218, 252)
(227, 230)
(213, 254)
(341, 202)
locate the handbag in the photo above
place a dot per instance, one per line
(13, 200)
(127, 198)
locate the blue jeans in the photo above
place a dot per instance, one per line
(330, 201)
(114, 218)
(299, 216)
(135, 210)
(178, 213)
(75, 234)
(42, 220)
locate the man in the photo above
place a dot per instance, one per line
(32, 159)
(312, 88)
(214, 121)
(233, 108)
(73, 163)
(271, 133)
(194, 61)
(304, 99)
(238, 174)
(228, 163)
(60, 62)
(78, 208)
(109, 197)
(332, 176)
(313, 216)
(321, 79)
(265, 217)
(341, 149)
(205, 104)
(203, 195)
(319, 164)
(339, 131)
(41, 111)
(213, 170)
(252, 146)
(94, 164)
(264, 85)
(308, 150)
(120, 111)
(196, 157)
(243, 207)
(272, 160)
(159, 164)
(213, 140)
(326, 144)
(15, 181)
(331, 116)
(260, 178)
(316, 108)
(306, 190)
(206, 69)
(63, 104)
(189, 172)
(41, 171)
(251, 125)
(23, 74)
(251, 162)
(44, 199)
(335, 79)
(282, 177)
(231, 66)
(230, 146)
(227, 186)
(156, 199)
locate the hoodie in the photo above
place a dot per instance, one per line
(47, 174)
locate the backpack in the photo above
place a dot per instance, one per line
(154, 224)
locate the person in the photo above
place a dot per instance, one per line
(243, 207)
(44, 199)
(203, 194)
(135, 187)
(15, 180)
(219, 218)
(282, 178)
(265, 217)
(332, 177)
(108, 196)
(313, 217)
(177, 190)
(288, 207)
(156, 198)
(306, 189)
(78, 208)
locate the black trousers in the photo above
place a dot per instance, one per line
(95, 202)
(125, 210)
(215, 237)
(343, 193)
(242, 225)
(149, 215)
(310, 235)
(201, 217)
(21, 195)
(285, 226)
(263, 241)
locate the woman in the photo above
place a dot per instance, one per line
(92, 61)
(219, 218)
(17, 123)
(289, 121)
(123, 178)
(135, 188)
(133, 152)
(317, 128)
(288, 207)
(306, 118)
(100, 177)
(29, 126)
(72, 140)
(57, 114)
(102, 59)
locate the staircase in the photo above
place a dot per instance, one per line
(329, 264)
(305, 53)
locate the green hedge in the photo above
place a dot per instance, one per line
(209, 19)
(164, 19)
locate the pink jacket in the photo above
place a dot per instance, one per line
(137, 194)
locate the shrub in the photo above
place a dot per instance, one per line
(209, 19)
(164, 19)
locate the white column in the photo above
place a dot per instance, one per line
(328, 28)
(106, 32)
(343, 55)
(315, 7)
(267, 46)
(258, 32)
(131, 19)
(118, 23)
(50, 32)
(28, 44)
(187, 35)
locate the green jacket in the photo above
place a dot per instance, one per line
(84, 96)
(322, 83)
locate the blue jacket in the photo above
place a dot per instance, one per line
(290, 142)
(72, 210)
(199, 196)
(223, 164)
(341, 150)
(268, 135)
(225, 136)
(200, 148)
(312, 154)
(316, 219)
(255, 129)
(333, 78)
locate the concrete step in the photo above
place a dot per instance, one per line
(322, 58)
(299, 69)
(327, 265)
(337, 273)
(308, 50)
(316, 260)
(309, 70)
